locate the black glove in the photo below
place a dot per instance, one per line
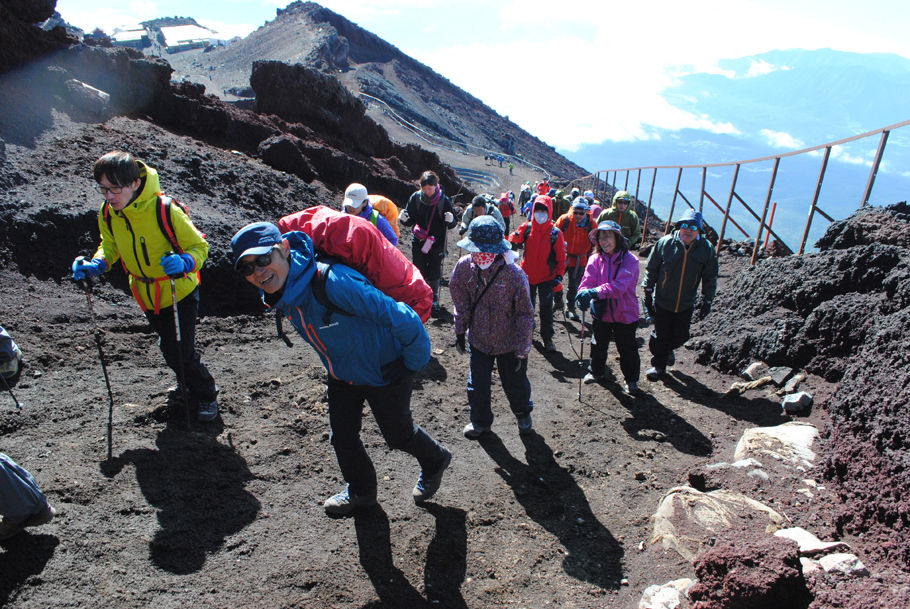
(396, 372)
(649, 302)
(705, 308)
(460, 343)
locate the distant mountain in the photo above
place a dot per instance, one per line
(777, 102)
(309, 34)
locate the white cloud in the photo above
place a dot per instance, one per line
(779, 139)
(759, 68)
(841, 154)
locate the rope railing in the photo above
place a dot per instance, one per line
(596, 182)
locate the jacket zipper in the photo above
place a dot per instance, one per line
(682, 276)
(129, 226)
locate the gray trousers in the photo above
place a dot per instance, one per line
(20, 496)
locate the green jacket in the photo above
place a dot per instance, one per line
(674, 271)
(135, 239)
(627, 220)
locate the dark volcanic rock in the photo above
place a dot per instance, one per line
(842, 313)
(745, 570)
(30, 11)
(302, 95)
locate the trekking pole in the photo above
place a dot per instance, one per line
(10, 389)
(581, 354)
(181, 380)
(86, 285)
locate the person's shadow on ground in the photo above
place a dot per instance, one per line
(24, 555)
(446, 560)
(553, 499)
(758, 410)
(197, 485)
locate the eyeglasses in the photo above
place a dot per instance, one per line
(687, 226)
(248, 268)
(114, 190)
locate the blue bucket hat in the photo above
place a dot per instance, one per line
(580, 203)
(254, 239)
(690, 216)
(485, 235)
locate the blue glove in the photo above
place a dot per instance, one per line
(584, 298)
(83, 268)
(177, 264)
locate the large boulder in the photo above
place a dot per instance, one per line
(750, 571)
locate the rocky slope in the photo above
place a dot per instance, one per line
(314, 36)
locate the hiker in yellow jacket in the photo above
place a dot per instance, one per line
(154, 239)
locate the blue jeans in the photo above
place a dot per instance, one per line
(20, 496)
(514, 382)
(391, 407)
(545, 289)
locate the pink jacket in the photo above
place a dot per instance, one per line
(615, 278)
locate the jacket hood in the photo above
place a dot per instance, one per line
(545, 200)
(150, 186)
(303, 267)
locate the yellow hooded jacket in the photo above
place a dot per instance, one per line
(135, 238)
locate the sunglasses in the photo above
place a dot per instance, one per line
(687, 226)
(248, 268)
(623, 201)
(114, 190)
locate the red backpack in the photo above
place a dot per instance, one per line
(355, 242)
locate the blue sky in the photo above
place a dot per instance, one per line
(605, 65)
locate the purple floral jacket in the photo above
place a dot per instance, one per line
(503, 320)
(615, 278)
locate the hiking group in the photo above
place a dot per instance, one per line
(361, 304)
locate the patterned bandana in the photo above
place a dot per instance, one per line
(483, 259)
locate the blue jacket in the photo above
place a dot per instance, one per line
(379, 221)
(353, 348)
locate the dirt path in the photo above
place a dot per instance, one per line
(230, 514)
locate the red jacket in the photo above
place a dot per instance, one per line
(578, 245)
(538, 263)
(358, 244)
(543, 188)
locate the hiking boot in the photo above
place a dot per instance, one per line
(426, 485)
(472, 431)
(436, 310)
(571, 314)
(631, 387)
(208, 411)
(590, 379)
(345, 502)
(548, 345)
(655, 373)
(525, 424)
(671, 359)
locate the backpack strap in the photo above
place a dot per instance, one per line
(374, 218)
(166, 223)
(324, 266)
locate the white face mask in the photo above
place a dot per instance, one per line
(541, 216)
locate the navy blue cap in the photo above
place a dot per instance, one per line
(254, 239)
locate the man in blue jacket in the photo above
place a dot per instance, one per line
(370, 345)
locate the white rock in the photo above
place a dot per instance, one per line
(809, 543)
(809, 565)
(687, 518)
(795, 403)
(755, 371)
(848, 564)
(790, 442)
(671, 595)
